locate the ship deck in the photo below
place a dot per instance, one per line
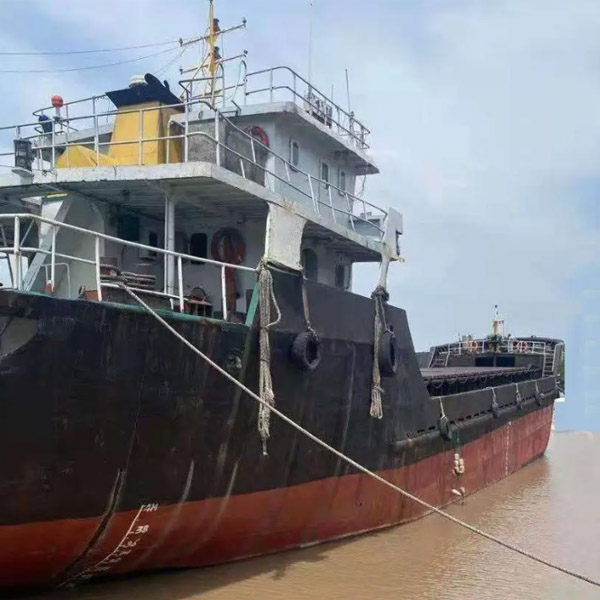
(446, 372)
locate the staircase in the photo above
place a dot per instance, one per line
(440, 359)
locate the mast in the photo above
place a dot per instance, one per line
(211, 70)
(497, 323)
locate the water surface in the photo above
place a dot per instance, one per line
(550, 507)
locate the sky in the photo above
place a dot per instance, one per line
(485, 120)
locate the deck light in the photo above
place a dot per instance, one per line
(23, 154)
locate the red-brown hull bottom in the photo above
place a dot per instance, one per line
(216, 530)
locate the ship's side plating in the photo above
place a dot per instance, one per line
(136, 455)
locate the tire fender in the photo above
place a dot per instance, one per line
(306, 350)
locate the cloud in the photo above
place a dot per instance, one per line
(485, 120)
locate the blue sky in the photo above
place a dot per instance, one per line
(486, 126)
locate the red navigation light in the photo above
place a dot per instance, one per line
(57, 101)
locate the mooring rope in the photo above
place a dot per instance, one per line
(265, 385)
(379, 296)
(352, 462)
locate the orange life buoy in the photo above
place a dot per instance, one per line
(227, 245)
(258, 133)
(522, 346)
(472, 345)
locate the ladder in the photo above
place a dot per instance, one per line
(549, 356)
(441, 359)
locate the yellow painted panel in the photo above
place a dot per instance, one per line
(80, 156)
(136, 135)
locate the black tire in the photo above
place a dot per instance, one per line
(306, 350)
(388, 354)
(446, 430)
(539, 398)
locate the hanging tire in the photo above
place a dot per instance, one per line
(306, 350)
(388, 355)
(446, 429)
(539, 398)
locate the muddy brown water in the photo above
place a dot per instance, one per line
(551, 507)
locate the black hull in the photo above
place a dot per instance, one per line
(104, 411)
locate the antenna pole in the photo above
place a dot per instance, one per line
(212, 65)
(348, 91)
(310, 4)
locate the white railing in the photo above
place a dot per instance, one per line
(278, 84)
(515, 345)
(18, 250)
(282, 83)
(79, 130)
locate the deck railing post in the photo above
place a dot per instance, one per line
(53, 260)
(17, 251)
(217, 140)
(312, 194)
(98, 278)
(140, 147)
(331, 203)
(180, 283)
(53, 144)
(186, 139)
(224, 292)
(350, 212)
(96, 132)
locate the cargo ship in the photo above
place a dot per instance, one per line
(232, 211)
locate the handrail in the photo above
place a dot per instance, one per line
(51, 141)
(364, 131)
(19, 250)
(506, 345)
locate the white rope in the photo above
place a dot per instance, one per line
(376, 408)
(265, 386)
(518, 397)
(352, 462)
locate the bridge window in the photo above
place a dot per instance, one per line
(199, 245)
(294, 153)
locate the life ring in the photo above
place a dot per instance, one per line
(472, 345)
(227, 245)
(258, 133)
(306, 350)
(388, 354)
(522, 346)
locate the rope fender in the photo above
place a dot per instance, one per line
(384, 351)
(352, 462)
(266, 301)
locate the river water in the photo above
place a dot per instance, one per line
(550, 507)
